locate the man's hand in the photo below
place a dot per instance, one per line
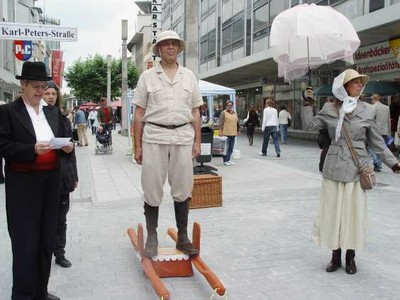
(68, 149)
(196, 150)
(138, 155)
(42, 148)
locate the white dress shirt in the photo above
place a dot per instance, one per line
(42, 128)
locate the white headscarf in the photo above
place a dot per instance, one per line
(349, 103)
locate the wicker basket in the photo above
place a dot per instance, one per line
(207, 191)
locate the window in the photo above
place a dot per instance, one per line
(204, 6)
(226, 10)
(277, 6)
(208, 47)
(261, 18)
(207, 5)
(238, 30)
(5, 10)
(376, 4)
(227, 36)
(333, 2)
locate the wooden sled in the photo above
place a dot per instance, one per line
(171, 262)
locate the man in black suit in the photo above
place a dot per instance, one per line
(33, 181)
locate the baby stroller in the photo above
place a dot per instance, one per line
(104, 140)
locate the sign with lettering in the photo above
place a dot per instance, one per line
(33, 32)
(377, 58)
(23, 50)
(156, 9)
(57, 67)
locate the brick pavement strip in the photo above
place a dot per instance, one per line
(258, 243)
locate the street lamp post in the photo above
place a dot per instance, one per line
(108, 80)
(124, 36)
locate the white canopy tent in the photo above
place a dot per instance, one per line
(209, 90)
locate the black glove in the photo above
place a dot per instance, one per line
(396, 168)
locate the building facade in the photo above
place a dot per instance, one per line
(178, 15)
(228, 44)
(21, 11)
(234, 49)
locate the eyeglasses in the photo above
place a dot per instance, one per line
(37, 87)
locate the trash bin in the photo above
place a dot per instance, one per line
(207, 134)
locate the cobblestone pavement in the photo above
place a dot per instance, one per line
(258, 243)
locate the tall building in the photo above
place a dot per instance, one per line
(235, 52)
(178, 15)
(21, 11)
(228, 44)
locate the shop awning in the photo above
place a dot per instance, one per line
(8, 81)
(383, 88)
(324, 90)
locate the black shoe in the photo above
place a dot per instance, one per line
(63, 262)
(278, 155)
(351, 267)
(151, 247)
(187, 248)
(336, 261)
(51, 297)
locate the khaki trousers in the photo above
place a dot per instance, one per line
(160, 160)
(82, 134)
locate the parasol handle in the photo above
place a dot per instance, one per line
(308, 60)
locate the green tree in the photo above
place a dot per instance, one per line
(88, 78)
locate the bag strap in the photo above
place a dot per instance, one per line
(353, 151)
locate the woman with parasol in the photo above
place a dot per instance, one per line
(342, 219)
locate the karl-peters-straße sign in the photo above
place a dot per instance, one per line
(18, 31)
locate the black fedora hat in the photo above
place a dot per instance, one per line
(34, 71)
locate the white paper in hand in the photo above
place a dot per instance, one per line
(57, 143)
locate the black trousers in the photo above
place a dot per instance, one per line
(32, 207)
(61, 231)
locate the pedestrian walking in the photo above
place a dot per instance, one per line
(251, 122)
(93, 119)
(270, 126)
(167, 137)
(80, 122)
(69, 180)
(382, 119)
(33, 181)
(284, 123)
(342, 219)
(229, 127)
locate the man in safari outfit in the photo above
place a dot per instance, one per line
(167, 137)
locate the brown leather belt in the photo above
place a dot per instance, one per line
(168, 126)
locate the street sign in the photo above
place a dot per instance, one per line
(33, 32)
(23, 50)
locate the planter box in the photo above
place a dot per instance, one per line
(207, 191)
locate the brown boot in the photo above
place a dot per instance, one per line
(351, 267)
(336, 261)
(181, 217)
(151, 214)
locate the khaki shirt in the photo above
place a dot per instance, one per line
(169, 103)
